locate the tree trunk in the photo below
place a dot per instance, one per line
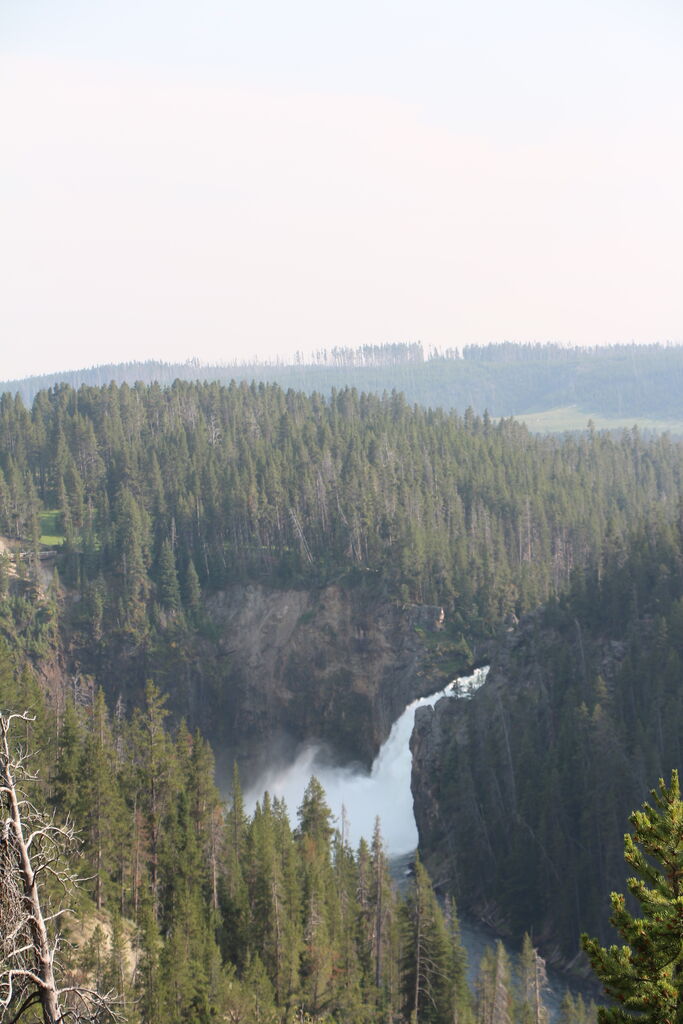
(43, 970)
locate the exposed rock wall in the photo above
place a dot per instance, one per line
(501, 785)
(270, 668)
(334, 664)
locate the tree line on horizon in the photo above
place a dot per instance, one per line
(639, 381)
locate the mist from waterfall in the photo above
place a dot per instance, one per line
(385, 791)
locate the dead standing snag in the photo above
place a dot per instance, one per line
(33, 848)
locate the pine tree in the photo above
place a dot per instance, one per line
(567, 1014)
(169, 587)
(646, 975)
(320, 901)
(315, 817)
(100, 805)
(68, 777)
(292, 936)
(383, 925)
(349, 998)
(150, 992)
(192, 590)
(428, 989)
(462, 997)
(153, 748)
(188, 948)
(116, 971)
(233, 893)
(573, 1010)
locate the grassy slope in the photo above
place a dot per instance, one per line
(571, 417)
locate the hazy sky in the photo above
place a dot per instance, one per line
(225, 180)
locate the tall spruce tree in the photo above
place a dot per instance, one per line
(100, 801)
(428, 989)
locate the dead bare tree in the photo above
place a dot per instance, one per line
(33, 849)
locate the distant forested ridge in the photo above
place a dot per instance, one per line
(523, 793)
(618, 381)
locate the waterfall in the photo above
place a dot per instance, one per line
(384, 791)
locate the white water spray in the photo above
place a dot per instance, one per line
(384, 792)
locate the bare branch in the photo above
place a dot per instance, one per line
(33, 845)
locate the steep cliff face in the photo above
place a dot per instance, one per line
(271, 668)
(262, 669)
(335, 664)
(522, 792)
(447, 745)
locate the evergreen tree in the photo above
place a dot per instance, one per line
(646, 976)
(573, 1010)
(428, 989)
(169, 587)
(462, 997)
(155, 765)
(383, 925)
(68, 777)
(233, 893)
(320, 900)
(150, 992)
(99, 801)
(192, 590)
(315, 817)
(116, 972)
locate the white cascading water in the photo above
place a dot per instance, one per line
(385, 791)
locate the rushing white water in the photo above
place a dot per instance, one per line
(385, 791)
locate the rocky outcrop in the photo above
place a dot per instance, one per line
(336, 664)
(270, 668)
(502, 781)
(441, 746)
(264, 669)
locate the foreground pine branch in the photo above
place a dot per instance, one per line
(645, 976)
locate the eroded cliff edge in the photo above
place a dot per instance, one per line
(334, 664)
(271, 668)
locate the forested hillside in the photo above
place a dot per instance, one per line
(192, 913)
(152, 501)
(127, 514)
(522, 794)
(156, 493)
(622, 382)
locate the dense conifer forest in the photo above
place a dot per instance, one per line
(192, 912)
(123, 508)
(581, 717)
(153, 494)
